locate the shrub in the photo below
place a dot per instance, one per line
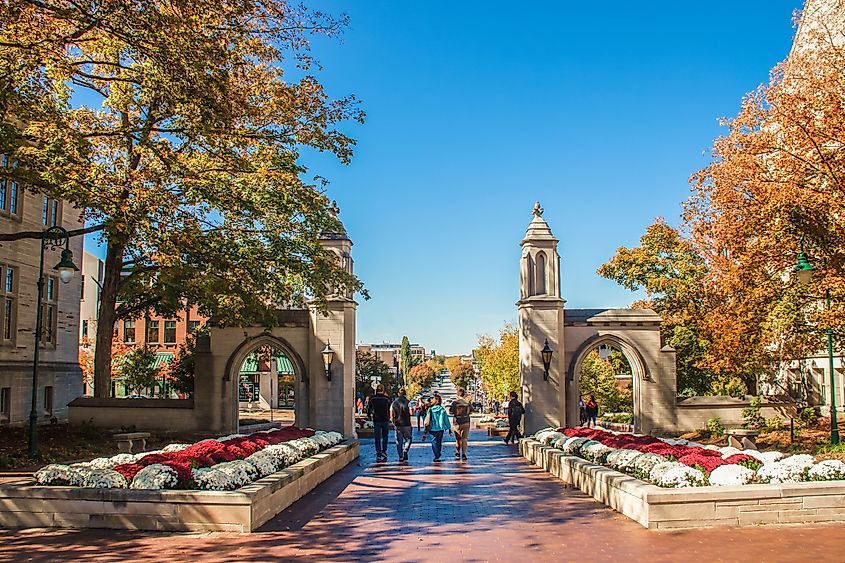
(751, 414)
(808, 416)
(714, 425)
(774, 423)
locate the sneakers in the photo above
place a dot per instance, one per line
(437, 459)
(457, 455)
(381, 457)
(464, 457)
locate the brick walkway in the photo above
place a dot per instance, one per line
(495, 507)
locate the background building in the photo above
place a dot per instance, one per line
(60, 378)
(389, 353)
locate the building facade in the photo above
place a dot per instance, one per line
(59, 377)
(389, 353)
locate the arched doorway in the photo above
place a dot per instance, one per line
(270, 382)
(612, 369)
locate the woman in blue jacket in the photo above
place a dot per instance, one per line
(436, 423)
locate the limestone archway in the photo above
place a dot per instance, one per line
(247, 348)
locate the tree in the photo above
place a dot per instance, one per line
(188, 157)
(672, 273)
(452, 363)
(138, 370)
(597, 379)
(181, 371)
(776, 180)
(406, 360)
(419, 378)
(369, 367)
(463, 374)
(499, 361)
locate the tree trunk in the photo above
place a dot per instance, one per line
(107, 319)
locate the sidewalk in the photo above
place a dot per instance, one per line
(495, 507)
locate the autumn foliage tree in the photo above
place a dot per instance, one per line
(462, 374)
(499, 361)
(176, 129)
(419, 378)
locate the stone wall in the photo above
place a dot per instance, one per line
(244, 510)
(698, 507)
(157, 415)
(692, 413)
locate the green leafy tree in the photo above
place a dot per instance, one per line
(597, 379)
(499, 361)
(406, 359)
(138, 369)
(176, 130)
(369, 367)
(672, 273)
(181, 370)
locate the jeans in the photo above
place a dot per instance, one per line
(380, 431)
(404, 437)
(461, 438)
(419, 421)
(513, 431)
(437, 442)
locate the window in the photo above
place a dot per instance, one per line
(9, 190)
(129, 332)
(193, 326)
(152, 332)
(6, 403)
(8, 309)
(49, 306)
(170, 332)
(48, 400)
(50, 212)
(84, 329)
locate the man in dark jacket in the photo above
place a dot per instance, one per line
(378, 409)
(515, 412)
(400, 415)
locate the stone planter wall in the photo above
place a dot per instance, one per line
(24, 505)
(700, 507)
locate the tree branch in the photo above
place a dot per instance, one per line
(38, 234)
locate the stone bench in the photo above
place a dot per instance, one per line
(127, 442)
(742, 438)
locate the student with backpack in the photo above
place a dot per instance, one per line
(436, 423)
(515, 412)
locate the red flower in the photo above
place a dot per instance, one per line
(128, 470)
(183, 472)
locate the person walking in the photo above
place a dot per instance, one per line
(400, 416)
(422, 408)
(436, 423)
(592, 410)
(505, 406)
(582, 411)
(515, 412)
(461, 409)
(496, 407)
(378, 410)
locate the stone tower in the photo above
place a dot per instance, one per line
(540, 321)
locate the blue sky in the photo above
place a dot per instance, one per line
(601, 111)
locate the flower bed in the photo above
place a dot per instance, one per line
(221, 464)
(680, 463)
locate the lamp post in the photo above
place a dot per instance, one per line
(804, 271)
(328, 357)
(546, 352)
(52, 238)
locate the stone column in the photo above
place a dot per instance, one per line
(541, 321)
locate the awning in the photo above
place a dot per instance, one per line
(283, 364)
(163, 358)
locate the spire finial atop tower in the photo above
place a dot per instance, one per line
(538, 211)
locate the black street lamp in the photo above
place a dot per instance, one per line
(804, 271)
(546, 352)
(52, 238)
(328, 357)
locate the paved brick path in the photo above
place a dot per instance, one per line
(495, 507)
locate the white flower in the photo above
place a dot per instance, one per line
(105, 479)
(57, 474)
(728, 475)
(155, 476)
(265, 463)
(621, 459)
(175, 447)
(572, 445)
(596, 452)
(787, 470)
(538, 434)
(642, 465)
(675, 441)
(765, 457)
(225, 476)
(549, 436)
(287, 454)
(676, 475)
(827, 470)
(559, 442)
(728, 451)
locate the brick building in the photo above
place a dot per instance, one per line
(60, 379)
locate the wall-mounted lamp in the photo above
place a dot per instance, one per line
(546, 352)
(328, 357)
